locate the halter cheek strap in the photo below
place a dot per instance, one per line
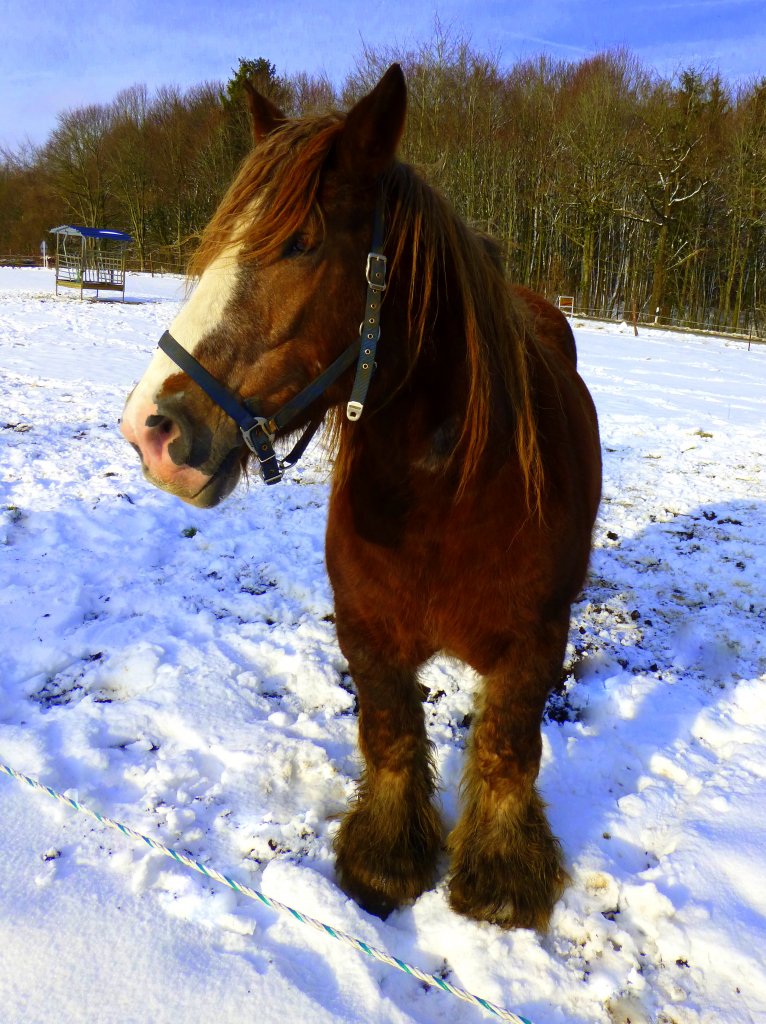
(259, 431)
(369, 332)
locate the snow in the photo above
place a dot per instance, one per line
(177, 670)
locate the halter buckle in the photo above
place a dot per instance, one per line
(260, 441)
(376, 271)
(259, 425)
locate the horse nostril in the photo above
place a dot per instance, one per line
(162, 437)
(161, 424)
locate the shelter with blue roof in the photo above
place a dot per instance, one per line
(91, 259)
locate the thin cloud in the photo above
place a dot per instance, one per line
(59, 53)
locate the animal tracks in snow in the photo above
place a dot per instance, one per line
(179, 670)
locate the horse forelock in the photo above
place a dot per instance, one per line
(273, 194)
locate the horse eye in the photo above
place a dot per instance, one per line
(297, 245)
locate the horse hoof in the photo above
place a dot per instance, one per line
(375, 899)
(518, 896)
(380, 870)
(380, 894)
(503, 913)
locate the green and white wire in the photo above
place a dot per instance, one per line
(216, 876)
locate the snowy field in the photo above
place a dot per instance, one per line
(177, 669)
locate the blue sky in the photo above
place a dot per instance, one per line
(57, 54)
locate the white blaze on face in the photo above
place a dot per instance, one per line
(201, 314)
(207, 305)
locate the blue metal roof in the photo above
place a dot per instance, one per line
(107, 233)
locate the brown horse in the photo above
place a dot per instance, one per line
(463, 497)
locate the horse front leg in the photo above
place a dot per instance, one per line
(506, 864)
(388, 842)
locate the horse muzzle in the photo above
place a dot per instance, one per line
(165, 445)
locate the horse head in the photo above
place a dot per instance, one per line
(280, 291)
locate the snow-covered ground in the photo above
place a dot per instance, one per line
(177, 670)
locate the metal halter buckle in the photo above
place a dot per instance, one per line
(260, 441)
(260, 425)
(376, 275)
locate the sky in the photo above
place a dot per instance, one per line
(63, 54)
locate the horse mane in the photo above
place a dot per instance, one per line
(426, 240)
(450, 264)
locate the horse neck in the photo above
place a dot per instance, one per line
(420, 391)
(431, 367)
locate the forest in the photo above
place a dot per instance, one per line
(642, 196)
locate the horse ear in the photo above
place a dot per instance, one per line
(265, 116)
(374, 126)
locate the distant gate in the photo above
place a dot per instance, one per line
(91, 259)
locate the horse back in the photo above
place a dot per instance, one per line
(549, 324)
(568, 435)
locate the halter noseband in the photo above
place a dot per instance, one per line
(259, 431)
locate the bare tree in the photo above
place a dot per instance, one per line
(77, 161)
